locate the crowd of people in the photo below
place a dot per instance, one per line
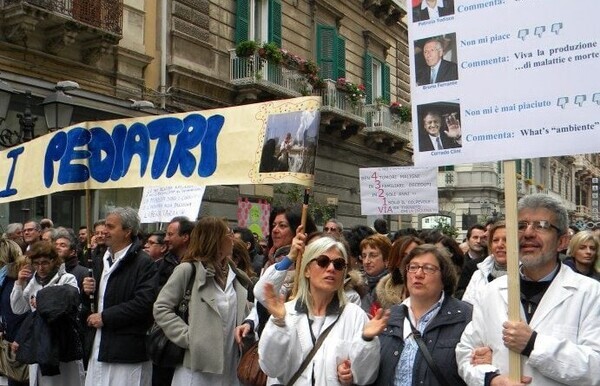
(338, 306)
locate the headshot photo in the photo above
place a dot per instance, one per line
(431, 9)
(435, 59)
(290, 143)
(439, 126)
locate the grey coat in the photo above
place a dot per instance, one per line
(203, 338)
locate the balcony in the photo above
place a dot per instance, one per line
(339, 111)
(258, 79)
(390, 11)
(384, 129)
(53, 25)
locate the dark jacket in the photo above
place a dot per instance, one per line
(10, 321)
(50, 334)
(165, 267)
(441, 337)
(128, 298)
(570, 262)
(426, 145)
(447, 71)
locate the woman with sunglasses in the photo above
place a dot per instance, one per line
(320, 307)
(431, 314)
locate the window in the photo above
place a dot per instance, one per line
(528, 169)
(376, 79)
(331, 52)
(258, 20)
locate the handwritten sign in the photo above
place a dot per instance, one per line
(504, 79)
(162, 203)
(398, 190)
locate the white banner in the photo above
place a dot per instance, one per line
(398, 190)
(504, 79)
(162, 203)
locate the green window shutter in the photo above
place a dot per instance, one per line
(242, 26)
(275, 22)
(518, 166)
(341, 57)
(326, 37)
(385, 87)
(368, 79)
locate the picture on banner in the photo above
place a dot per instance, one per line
(439, 126)
(254, 216)
(290, 143)
(436, 59)
(431, 9)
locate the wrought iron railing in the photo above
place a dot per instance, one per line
(103, 14)
(335, 98)
(254, 69)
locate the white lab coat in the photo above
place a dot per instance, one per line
(567, 322)
(478, 281)
(282, 349)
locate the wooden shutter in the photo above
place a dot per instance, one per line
(326, 55)
(368, 78)
(242, 26)
(275, 22)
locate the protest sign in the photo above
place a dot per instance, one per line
(504, 79)
(398, 190)
(162, 203)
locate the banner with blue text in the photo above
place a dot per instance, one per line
(264, 143)
(504, 79)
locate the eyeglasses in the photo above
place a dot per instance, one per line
(330, 229)
(538, 226)
(150, 242)
(45, 263)
(27, 230)
(429, 269)
(323, 261)
(370, 256)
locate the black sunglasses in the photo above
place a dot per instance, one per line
(323, 261)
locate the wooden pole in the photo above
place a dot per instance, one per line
(512, 249)
(88, 224)
(298, 262)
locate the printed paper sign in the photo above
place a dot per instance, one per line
(504, 79)
(398, 190)
(162, 203)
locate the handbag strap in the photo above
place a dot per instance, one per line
(183, 309)
(314, 350)
(426, 354)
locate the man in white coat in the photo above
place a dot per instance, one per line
(558, 336)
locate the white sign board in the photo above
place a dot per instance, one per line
(398, 190)
(504, 79)
(162, 203)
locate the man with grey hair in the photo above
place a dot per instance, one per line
(558, 336)
(124, 287)
(333, 227)
(436, 69)
(32, 232)
(14, 232)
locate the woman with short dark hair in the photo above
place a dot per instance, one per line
(431, 313)
(49, 271)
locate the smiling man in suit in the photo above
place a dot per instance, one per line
(436, 69)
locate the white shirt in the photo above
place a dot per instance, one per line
(433, 12)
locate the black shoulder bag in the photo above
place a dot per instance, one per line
(425, 352)
(161, 350)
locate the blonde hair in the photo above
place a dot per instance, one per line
(312, 252)
(580, 238)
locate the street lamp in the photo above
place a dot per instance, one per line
(27, 121)
(58, 110)
(58, 107)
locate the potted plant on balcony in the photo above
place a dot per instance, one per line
(271, 52)
(309, 68)
(354, 93)
(403, 113)
(246, 48)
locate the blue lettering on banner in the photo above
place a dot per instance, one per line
(109, 156)
(14, 154)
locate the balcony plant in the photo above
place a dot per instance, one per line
(246, 48)
(354, 93)
(400, 111)
(271, 52)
